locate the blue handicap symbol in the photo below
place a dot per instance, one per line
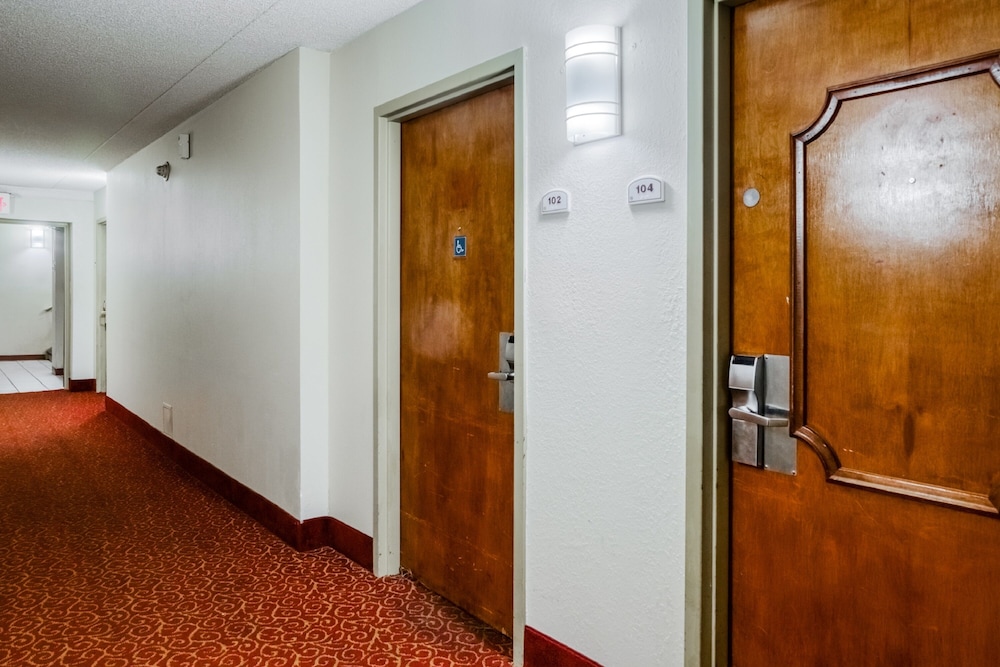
(460, 246)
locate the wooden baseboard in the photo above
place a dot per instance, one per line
(58, 371)
(301, 535)
(22, 357)
(326, 531)
(540, 650)
(83, 385)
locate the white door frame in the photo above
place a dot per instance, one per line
(102, 296)
(67, 332)
(60, 300)
(709, 283)
(499, 71)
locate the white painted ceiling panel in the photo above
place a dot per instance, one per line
(86, 83)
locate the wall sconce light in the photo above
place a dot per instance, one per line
(37, 237)
(593, 83)
(164, 171)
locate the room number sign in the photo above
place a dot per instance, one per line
(555, 201)
(645, 190)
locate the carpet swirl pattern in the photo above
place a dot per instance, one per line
(110, 555)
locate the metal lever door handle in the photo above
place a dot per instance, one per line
(754, 418)
(501, 376)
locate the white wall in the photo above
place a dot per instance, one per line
(77, 209)
(314, 281)
(241, 292)
(204, 278)
(25, 292)
(605, 338)
(101, 204)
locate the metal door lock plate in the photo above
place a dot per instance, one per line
(505, 375)
(760, 388)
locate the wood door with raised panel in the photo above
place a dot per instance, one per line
(871, 129)
(456, 458)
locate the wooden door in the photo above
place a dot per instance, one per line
(456, 468)
(871, 129)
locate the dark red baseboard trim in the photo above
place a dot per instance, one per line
(22, 357)
(83, 385)
(326, 531)
(540, 650)
(60, 371)
(301, 535)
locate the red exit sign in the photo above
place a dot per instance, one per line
(4, 202)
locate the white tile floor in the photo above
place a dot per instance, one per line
(25, 376)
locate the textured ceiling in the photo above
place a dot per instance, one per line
(86, 83)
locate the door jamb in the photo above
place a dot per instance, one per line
(101, 368)
(708, 317)
(491, 74)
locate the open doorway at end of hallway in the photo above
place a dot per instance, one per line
(35, 302)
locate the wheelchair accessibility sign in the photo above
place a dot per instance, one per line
(459, 246)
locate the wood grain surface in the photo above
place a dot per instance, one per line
(456, 471)
(896, 314)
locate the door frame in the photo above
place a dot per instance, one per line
(67, 331)
(708, 319)
(101, 352)
(60, 286)
(388, 117)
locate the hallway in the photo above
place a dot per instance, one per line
(111, 555)
(233, 205)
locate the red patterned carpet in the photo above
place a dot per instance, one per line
(110, 555)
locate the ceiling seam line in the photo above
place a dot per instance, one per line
(182, 78)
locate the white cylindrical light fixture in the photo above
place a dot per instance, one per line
(593, 83)
(36, 237)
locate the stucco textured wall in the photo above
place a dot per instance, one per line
(605, 299)
(203, 284)
(25, 292)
